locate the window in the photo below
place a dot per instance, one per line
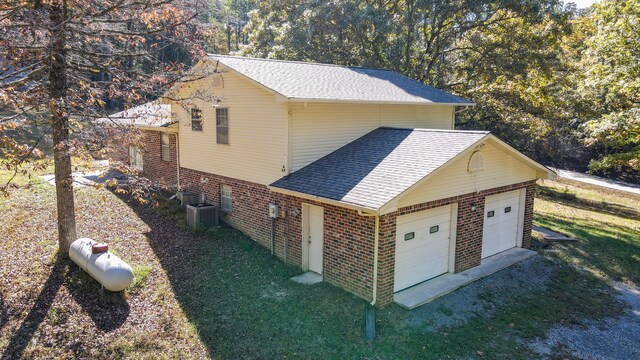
(222, 126)
(164, 147)
(507, 209)
(409, 236)
(196, 119)
(226, 198)
(491, 213)
(434, 229)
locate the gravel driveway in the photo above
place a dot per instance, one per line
(482, 297)
(616, 338)
(611, 338)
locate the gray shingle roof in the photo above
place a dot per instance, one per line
(324, 82)
(372, 170)
(145, 115)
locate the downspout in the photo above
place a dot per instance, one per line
(273, 236)
(178, 159)
(375, 261)
(376, 242)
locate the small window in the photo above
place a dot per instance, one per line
(409, 236)
(491, 213)
(222, 126)
(196, 119)
(164, 147)
(226, 198)
(434, 229)
(507, 209)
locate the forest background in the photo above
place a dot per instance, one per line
(560, 84)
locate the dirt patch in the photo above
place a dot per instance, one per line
(53, 309)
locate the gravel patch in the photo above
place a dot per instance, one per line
(483, 297)
(613, 338)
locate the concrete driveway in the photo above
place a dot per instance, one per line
(600, 181)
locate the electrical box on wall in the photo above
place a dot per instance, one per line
(273, 211)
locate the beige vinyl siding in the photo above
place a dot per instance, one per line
(320, 128)
(257, 131)
(500, 169)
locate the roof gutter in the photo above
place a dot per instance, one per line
(322, 200)
(168, 130)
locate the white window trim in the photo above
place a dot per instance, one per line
(222, 126)
(226, 198)
(200, 120)
(165, 149)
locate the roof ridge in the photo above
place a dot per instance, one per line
(300, 62)
(437, 130)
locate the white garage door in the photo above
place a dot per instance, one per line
(501, 222)
(422, 246)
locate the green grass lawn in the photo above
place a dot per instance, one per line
(216, 293)
(606, 222)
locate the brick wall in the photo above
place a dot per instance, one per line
(348, 237)
(468, 251)
(153, 167)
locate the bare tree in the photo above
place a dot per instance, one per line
(66, 60)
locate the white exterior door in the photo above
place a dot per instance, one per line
(501, 222)
(422, 246)
(313, 234)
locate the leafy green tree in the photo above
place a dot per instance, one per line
(610, 75)
(504, 55)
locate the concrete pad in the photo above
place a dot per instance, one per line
(552, 235)
(432, 289)
(90, 178)
(308, 278)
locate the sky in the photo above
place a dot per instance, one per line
(582, 3)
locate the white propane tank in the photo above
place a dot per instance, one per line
(108, 269)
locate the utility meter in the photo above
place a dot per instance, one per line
(273, 211)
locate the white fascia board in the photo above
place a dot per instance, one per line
(356, 101)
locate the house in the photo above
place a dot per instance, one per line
(374, 188)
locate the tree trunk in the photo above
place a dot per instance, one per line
(60, 124)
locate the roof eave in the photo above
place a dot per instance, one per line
(323, 200)
(166, 129)
(387, 102)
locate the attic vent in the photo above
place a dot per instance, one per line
(476, 162)
(216, 80)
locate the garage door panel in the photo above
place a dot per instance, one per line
(433, 254)
(500, 231)
(426, 255)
